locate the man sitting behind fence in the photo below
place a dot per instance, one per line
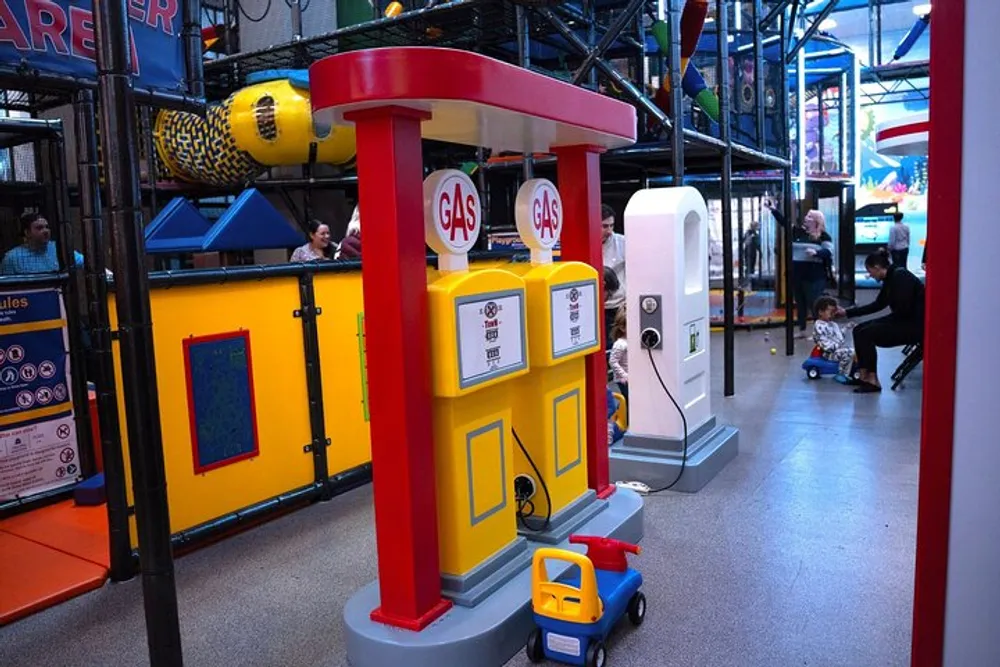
(38, 252)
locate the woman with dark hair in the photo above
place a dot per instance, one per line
(903, 294)
(318, 246)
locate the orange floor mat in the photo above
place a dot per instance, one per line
(33, 577)
(77, 531)
(50, 555)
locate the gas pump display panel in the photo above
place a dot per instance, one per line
(574, 317)
(491, 341)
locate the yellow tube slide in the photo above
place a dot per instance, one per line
(267, 124)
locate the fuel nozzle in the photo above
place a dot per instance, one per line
(607, 553)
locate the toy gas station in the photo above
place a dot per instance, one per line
(480, 359)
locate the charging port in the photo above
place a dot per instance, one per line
(650, 338)
(524, 488)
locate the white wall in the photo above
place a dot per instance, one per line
(973, 599)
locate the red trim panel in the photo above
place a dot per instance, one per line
(427, 76)
(580, 189)
(192, 420)
(940, 346)
(903, 130)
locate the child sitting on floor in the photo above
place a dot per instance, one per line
(829, 337)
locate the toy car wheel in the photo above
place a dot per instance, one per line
(534, 647)
(597, 656)
(637, 608)
(813, 373)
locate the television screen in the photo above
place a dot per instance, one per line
(873, 229)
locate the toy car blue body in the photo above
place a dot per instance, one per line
(566, 641)
(816, 366)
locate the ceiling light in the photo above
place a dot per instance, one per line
(828, 24)
(921, 10)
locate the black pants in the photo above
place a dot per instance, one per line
(806, 293)
(883, 332)
(899, 257)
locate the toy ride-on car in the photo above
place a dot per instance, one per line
(816, 366)
(575, 614)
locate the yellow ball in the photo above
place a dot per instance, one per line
(774, 351)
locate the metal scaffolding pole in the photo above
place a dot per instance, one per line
(776, 11)
(607, 70)
(786, 233)
(138, 365)
(146, 121)
(811, 30)
(758, 75)
(524, 60)
(614, 30)
(58, 206)
(725, 132)
(642, 70)
(842, 102)
(103, 371)
(871, 32)
(676, 92)
(191, 33)
(591, 14)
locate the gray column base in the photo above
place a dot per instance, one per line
(487, 635)
(656, 461)
(565, 521)
(470, 589)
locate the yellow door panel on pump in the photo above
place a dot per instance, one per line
(568, 428)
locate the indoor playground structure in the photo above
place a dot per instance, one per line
(279, 384)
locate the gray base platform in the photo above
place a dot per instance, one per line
(472, 588)
(656, 461)
(486, 635)
(565, 521)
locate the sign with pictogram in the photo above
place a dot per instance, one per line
(37, 458)
(574, 317)
(491, 340)
(36, 413)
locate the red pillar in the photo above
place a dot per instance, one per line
(390, 183)
(580, 189)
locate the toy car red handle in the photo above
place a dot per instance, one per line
(605, 543)
(606, 553)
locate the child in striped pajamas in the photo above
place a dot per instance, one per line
(828, 336)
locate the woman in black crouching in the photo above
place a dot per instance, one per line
(903, 293)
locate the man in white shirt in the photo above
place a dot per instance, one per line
(613, 249)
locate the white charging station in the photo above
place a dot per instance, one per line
(667, 299)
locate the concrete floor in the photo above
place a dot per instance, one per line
(799, 553)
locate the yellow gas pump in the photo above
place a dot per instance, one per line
(550, 461)
(479, 346)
